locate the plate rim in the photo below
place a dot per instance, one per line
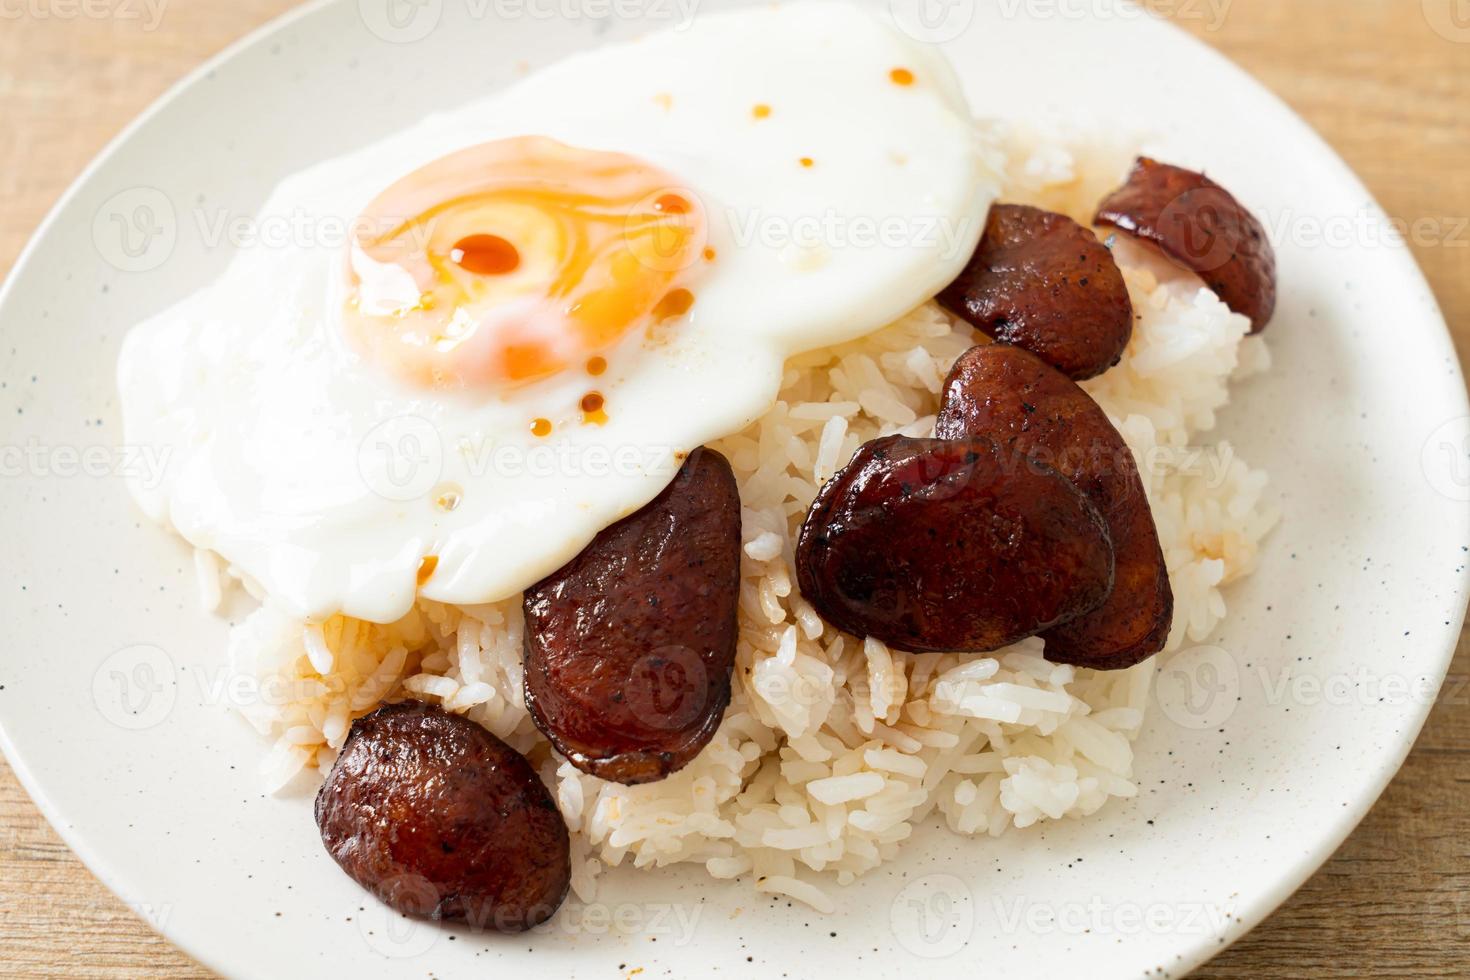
(1193, 950)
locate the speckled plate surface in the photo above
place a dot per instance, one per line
(1265, 750)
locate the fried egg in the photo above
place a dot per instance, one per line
(542, 300)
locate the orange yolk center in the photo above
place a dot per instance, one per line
(485, 255)
(511, 261)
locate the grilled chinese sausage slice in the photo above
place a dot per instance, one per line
(932, 545)
(1200, 226)
(1013, 397)
(1043, 282)
(442, 820)
(630, 645)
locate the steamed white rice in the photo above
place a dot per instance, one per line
(833, 748)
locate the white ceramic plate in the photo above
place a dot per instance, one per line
(1264, 753)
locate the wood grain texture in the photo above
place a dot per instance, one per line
(1387, 82)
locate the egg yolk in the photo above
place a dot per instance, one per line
(511, 261)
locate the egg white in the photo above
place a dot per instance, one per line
(327, 481)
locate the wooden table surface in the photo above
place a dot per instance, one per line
(1387, 82)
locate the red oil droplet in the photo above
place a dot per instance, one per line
(592, 409)
(671, 204)
(709, 254)
(596, 365)
(901, 76)
(676, 302)
(485, 255)
(541, 427)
